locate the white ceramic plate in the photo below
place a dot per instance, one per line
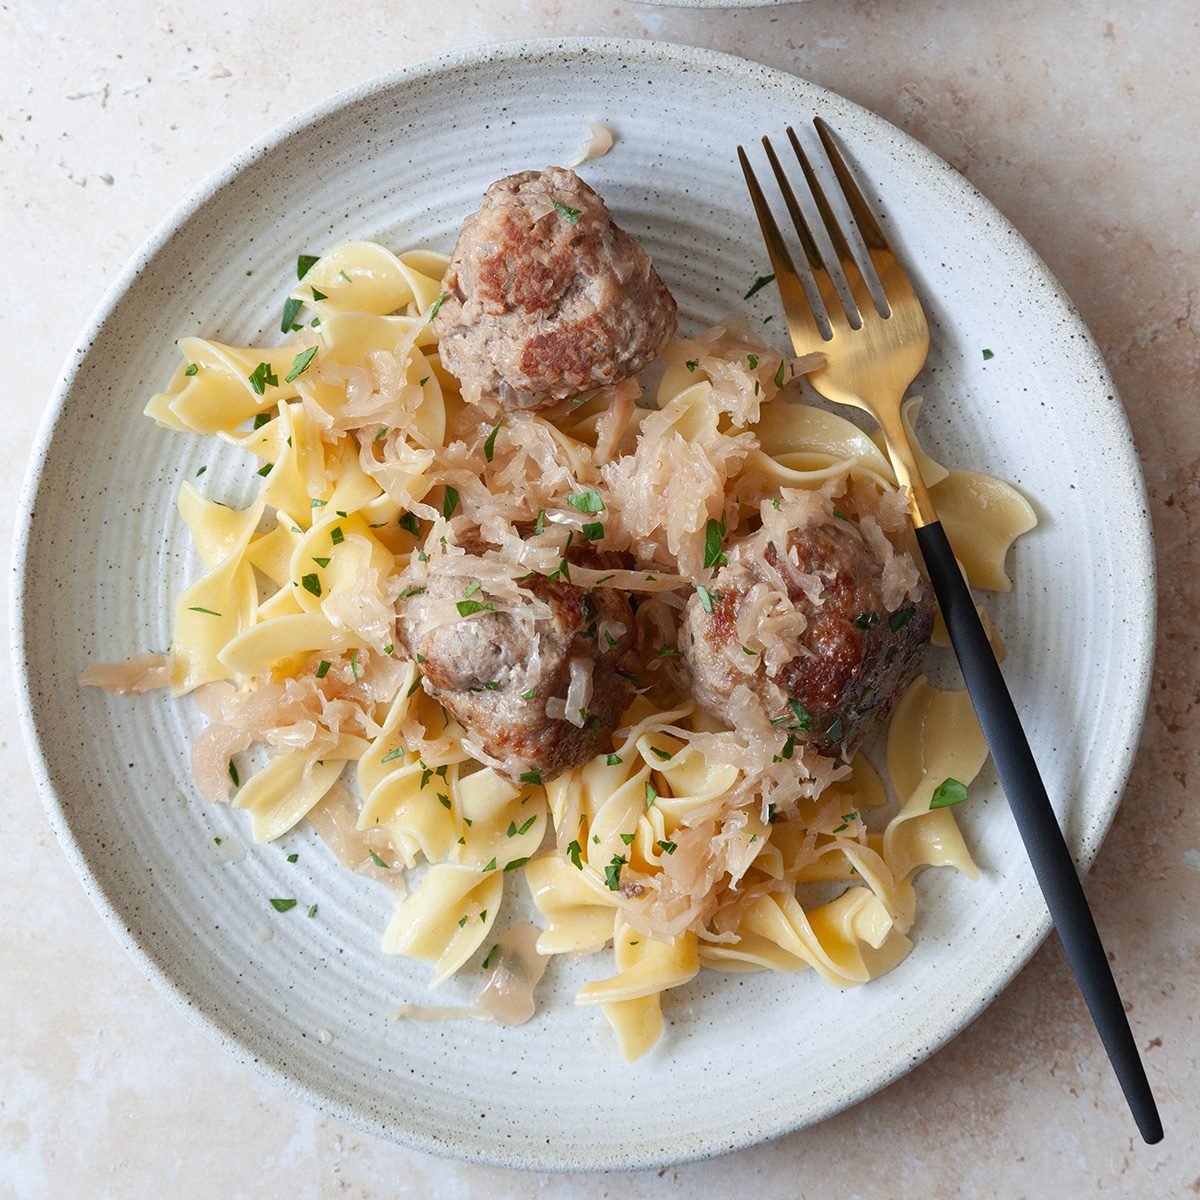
(101, 553)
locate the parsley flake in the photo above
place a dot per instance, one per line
(449, 502)
(489, 447)
(758, 285)
(586, 502)
(571, 214)
(207, 611)
(262, 377)
(305, 263)
(311, 583)
(192, 369)
(323, 668)
(706, 597)
(575, 850)
(291, 310)
(667, 847)
(948, 793)
(282, 905)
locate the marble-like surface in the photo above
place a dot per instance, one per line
(1077, 118)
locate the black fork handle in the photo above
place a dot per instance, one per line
(1038, 826)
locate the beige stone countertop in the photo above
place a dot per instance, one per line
(1078, 118)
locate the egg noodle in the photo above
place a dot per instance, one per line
(686, 845)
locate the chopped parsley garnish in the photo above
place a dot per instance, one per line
(408, 522)
(948, 793)
(449, 502)
(612, 873)
(462, 921)
(667, 847)
(491, 686)
(472, 588)
(803, 720)
(491, 866)
(392, 755)
(201, 472)
(261, 419)
(866, 620)
(610, 641)
(443, 800)
(841, 516)
(575, 850)
(321, 562)
(586, 502)
(319, 295)
(758, 285)
(630, 676)
(207, 611)
(291, 310)
(305, 263)
(593, 531)
(651, 794)
(379, 861)
(571, 214)
(987, 354)
(312, 912)
(233, 774)
(489, 447)
(343, 275)
(191, 369)
(627, 838)
(262, 377)
(336, 536)
(752, 359)
(527, 695)
(665, 755)
(282, 905)
(530, 777)
(319, 503)
(834, 732)
(772, 815)
(706, 597)
(899, 619)
(437, 304)
(323, 668)
(483, 966)
(714, 537)
(423, 382)
(668, 652)
(539, 526)
(264, 471)
(747, 650)
(516, 862)
(779, 375)
(311, 583)
(468, 608)
(613, 760)
(354, 664)
(562, 571)
(788, 747)
(382, 433)
(217, 841)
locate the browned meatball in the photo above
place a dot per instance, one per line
(546, 297)
(855, 658)
(496, 671)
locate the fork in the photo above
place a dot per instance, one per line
(871, 358)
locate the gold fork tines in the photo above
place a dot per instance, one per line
(871, 356)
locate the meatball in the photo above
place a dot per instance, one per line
(855, 659)
(545, 297)
(496, 671)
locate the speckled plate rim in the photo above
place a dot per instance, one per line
(1081, 348)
